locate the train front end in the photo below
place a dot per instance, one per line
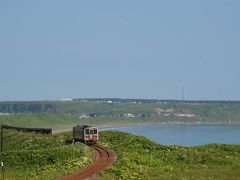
(86, 134)
(91, 135)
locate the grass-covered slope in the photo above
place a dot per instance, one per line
(60, 121)
(44, 120)
(37, 156)
(205, 111)
(140, 158)
(65, 114)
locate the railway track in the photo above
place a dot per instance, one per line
(104, 158)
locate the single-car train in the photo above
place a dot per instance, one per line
(86, 134)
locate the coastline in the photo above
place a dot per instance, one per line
(165, 123)
(110, 126)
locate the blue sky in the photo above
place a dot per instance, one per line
(125, 49)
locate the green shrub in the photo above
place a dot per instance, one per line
(140, 158)
(36, 155)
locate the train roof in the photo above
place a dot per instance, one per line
(82, 126)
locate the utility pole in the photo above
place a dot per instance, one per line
(2, 150)
(2, 170)
(1, 137)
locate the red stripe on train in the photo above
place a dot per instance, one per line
(87, 137)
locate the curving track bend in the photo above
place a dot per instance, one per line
(103, 158)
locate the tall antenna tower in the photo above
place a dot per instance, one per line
(182, 93)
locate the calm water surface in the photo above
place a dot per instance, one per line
(186, 135)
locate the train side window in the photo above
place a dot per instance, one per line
(87, 131)
(95, 131)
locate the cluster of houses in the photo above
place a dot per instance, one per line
(159, 111)
(168, 112)
(129, 115)
(125, 115)
(91, 115)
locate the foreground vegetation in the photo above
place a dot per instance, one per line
(37, 156)
(140, 158)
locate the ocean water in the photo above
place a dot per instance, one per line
(186, 135)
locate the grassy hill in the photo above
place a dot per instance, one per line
(48, 120)
(140, 158)
(65, 114)
(60, 121)
(37, 156)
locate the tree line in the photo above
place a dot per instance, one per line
(21, 108)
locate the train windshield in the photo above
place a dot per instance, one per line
(91, 132)
(87, 131)
(95, 131)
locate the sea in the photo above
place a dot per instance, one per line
(185, 134)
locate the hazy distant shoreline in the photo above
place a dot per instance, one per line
(103, 127)
(173, 123)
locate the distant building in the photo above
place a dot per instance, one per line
(184, 114)
(66, 99)
(128, 115)
(141, 116)
(161, 111)
(84, 116)
(92, 115)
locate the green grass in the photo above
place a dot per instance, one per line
(67, 113)
(140, 158)
(61, 121)
(206, 112)
(45, 120)
(37, 156)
